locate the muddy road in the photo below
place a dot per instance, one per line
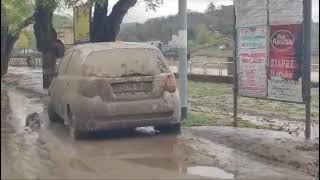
(44, 150)
(49, 152)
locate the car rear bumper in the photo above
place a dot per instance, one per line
(113, 124)
(94, 114)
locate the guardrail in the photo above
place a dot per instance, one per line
(207, 68)
(217, 68)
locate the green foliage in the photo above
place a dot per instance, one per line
(61, 21)
(163, 28)
(202, 34)
(51, 4)
(199, 89)
(150, 4)
(22, 41)
(14, 12)
(211, 8)
(199, 119)
(26, 40)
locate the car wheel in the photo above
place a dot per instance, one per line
(75, 132)
(53, 116)
(169, 129)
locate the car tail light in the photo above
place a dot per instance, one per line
(170, 84)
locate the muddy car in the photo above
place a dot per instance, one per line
(108, 86)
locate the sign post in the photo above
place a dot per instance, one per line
(307, 9)
(235, 74)
(183, 64)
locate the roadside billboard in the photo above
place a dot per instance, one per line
(269, 51)
(81, 15)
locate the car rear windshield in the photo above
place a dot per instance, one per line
(125, 62)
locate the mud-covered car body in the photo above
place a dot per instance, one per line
(117, 85)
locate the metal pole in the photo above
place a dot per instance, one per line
(307, 69)
(183, 64)
(235, 74)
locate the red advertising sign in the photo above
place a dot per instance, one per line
(285, 62)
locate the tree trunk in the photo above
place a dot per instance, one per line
(47, 42)
(48, 66)
(105, 28)
(7, 43)
(96, 27)
(4, 32)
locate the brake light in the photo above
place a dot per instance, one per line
(170, 84)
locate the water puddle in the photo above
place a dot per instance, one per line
(212, 172)
(21, 107)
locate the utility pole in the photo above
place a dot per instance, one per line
(307, 8)
(182, 52)
(235, 74)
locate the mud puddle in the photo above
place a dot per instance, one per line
(294, 128)
(143, 154)
(51, 153)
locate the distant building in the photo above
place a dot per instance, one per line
(65, 34)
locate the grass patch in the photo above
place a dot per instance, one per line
(199, 89)
(219, 98)
(247, 124)
(199, 119)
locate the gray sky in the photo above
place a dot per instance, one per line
(170, 7)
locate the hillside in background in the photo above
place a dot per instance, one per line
(162, 28)
(62, 21)
(200, 28)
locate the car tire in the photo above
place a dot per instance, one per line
(53, 116)
(75, 132)
(169, 129)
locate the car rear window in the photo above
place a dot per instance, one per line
(125, 62)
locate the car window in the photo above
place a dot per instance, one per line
(64, 63)
(73, 67)
(125, 62)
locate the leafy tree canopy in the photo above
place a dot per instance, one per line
(14, 12)
(150, 4)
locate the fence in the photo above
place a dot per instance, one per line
(206, 68)
(220, 68)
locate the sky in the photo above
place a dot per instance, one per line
(170, 7)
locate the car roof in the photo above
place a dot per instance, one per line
(94, 47)
(86, 49)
